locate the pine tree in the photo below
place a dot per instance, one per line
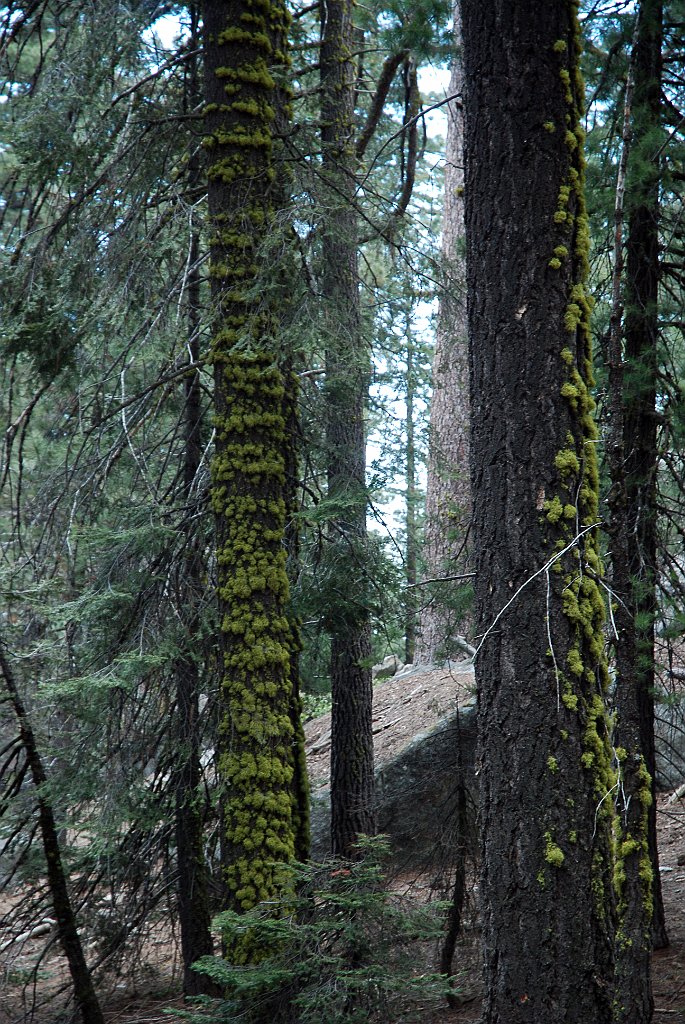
(245, 59)
(448, 500)
(545, 755)
(347, 371)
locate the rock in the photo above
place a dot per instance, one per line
(416, 793)
(388, 667)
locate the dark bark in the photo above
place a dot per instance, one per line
(640, 424)
(347, 371)
(193, 882)
(634, 1001)
(300, 786)
(632, 459)
(545, 758)
(67, 930)
(448, 488)
(456, 908)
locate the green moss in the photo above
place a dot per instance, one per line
(552, 764)
(570, 700)
(549, 126)
(566, 461)
(555, 263)
(554, 509)
(554, 855)
(560, 46)
(574, 662)
(246, 37)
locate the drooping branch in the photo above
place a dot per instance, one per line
(84, 992)
(390, 66)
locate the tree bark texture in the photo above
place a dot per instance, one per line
(243, 44)
(448, 488)
(347, 372)
(545, 756)
(640, 422)
(412, 501)
(631, 581)
(67, 930)
(193, 884)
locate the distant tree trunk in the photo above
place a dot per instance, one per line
(545, 757)
(193, 883)
(448, 490)
(242, 44)
(411, 499)
(67, 930)
(300, 788)
(640, 425)
(633, 876)
(347, 373)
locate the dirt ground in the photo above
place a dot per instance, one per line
(403, 706)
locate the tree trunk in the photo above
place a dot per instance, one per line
(448, 490)
(412, 500)
(347, 371)
(633, 875)
(640, 424)
(242, 44)
(631, 500)
(545, 757)
(193, 883)
(67, 931)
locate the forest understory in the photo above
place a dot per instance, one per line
(151, 990)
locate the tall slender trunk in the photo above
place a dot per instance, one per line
(633, 877)
(546, 776)
(640, 424)
(448, 489)
(67, 930)
(411, 499)
(193, 883)
(347, 372)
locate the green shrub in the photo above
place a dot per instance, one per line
(340, 946)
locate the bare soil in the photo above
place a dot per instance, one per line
(404, 706)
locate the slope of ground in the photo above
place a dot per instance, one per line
(404, 706)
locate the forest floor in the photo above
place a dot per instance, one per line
(404, 706)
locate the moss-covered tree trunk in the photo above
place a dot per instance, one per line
(244, 46)
(545, 757)
(448, 487)
(347, 374)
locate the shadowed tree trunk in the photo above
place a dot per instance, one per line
(545, 757)
(193, 884)
(640, 424)
(633, 876)
(448, 489)
(347, 375)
